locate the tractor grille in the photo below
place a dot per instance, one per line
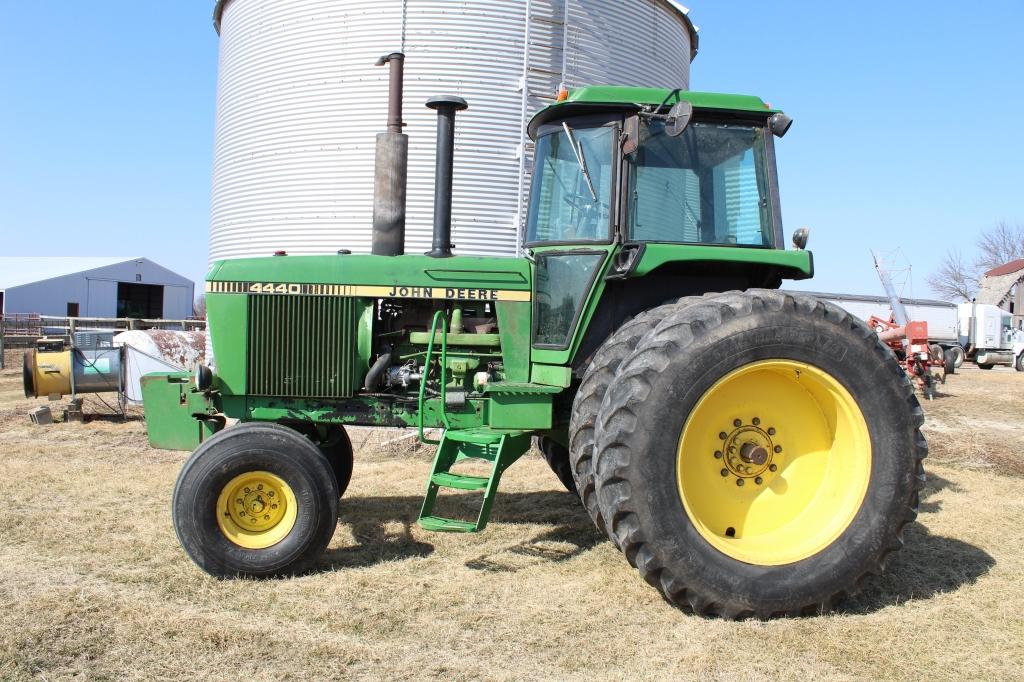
(302, 346)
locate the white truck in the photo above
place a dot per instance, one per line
(987, 336)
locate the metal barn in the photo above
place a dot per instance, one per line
(93, 287)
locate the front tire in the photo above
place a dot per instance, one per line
(255, 500)
(759, 454)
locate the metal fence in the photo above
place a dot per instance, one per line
(19, 330)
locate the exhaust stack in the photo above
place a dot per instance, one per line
(446, 106)
(391, 169)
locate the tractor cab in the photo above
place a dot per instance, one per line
(638, 180)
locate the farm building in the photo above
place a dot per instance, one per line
(93, 287)
(1004, 287)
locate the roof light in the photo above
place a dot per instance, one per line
(563, 94)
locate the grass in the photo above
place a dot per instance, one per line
(94, 585)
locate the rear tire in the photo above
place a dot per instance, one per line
(802, 537)
(985, 367)
(557, 457)
(243, 468)
(1019, 365)
(587, 404)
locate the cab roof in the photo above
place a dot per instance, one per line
(616, 97)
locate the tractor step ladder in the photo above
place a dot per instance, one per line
(499, 447)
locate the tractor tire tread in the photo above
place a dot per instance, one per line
(618, 418)
(598, 377)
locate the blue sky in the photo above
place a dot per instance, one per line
(905, 134)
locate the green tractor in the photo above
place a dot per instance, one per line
(752, 452)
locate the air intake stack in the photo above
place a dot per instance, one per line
(391, 169)
(446, 106)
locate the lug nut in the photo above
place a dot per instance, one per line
(266, 517)
(259, 487)
(756, 421)
(247, 491)
(718, 454)
(773, 467)
(725, 472)
(270, 494)
(723, 435)
(771, 430)
(737, 423)
(739, 482)
(274, 506)
(759, 480)
(778, 448)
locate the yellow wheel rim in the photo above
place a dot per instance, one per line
(774, 462)
(256, 509)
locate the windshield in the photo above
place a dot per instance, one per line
(563, 207)
(707, 186)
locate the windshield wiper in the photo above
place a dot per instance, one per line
(577, 149)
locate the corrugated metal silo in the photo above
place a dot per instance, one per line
(299, 101)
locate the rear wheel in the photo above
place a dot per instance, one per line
(557, 457)
(759, 454)
(599, 376)
(256, 500)
(1020, 363)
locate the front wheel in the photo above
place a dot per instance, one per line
(255, 500)
(1019, 365)
(759, 454)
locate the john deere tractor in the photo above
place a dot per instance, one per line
(752, 452)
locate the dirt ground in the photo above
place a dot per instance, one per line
(95, 586)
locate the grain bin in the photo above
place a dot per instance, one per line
(299, 100)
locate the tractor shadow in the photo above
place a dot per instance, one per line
(383, 530)
(927, 565)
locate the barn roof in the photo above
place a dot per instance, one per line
(18, 270)
(1007, 268)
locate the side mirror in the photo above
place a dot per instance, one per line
(678, 118)
(630, 134)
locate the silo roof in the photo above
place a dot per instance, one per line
(680, 9)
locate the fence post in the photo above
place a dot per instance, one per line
(3, 364)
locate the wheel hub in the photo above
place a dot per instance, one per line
(773, 462)
(256, 509)
(748, 450)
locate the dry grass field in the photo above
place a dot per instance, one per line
(94, 586)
